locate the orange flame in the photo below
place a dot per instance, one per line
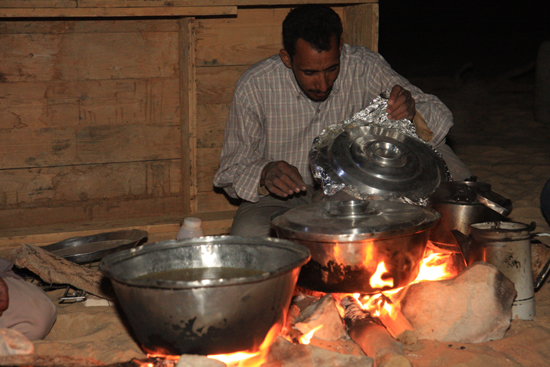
(306, 338)
(250, 359)
(376, 280)
(386, 304)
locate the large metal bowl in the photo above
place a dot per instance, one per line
(207, 316)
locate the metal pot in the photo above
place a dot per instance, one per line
(463, 203)
(205, 315)
(349, 239)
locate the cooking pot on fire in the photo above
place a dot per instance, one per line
(349, 240)
(207, 295)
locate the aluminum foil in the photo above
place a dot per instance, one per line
(374, 114)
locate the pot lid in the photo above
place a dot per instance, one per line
(372, 157)
(353, 220)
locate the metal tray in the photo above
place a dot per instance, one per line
(93, 248)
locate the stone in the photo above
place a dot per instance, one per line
(474, 307)
(285, 354)
(322, 312)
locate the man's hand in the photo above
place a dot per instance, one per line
(282, 179)
(401, 104)
(4, 296)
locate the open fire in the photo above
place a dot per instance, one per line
(384, 305)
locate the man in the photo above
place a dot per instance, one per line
(282, 103)
(23, 306)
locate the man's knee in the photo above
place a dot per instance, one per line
(30, 311)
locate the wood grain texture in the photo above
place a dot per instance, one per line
(25, 148)
(88, 56)
(361, 25)
(57, 186)
(31, 105)
(211, 119)
(216, 85)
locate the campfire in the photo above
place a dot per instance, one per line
(377, 323)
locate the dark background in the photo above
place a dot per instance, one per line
(445, 38)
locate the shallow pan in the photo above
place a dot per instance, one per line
(95, 247)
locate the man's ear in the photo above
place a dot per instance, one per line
(285, 58)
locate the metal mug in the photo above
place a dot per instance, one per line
(507, 246)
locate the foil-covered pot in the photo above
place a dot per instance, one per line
(372, 157)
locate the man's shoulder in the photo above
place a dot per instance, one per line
(358, 53)
(269, 68)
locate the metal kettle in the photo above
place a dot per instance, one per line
(462, 203)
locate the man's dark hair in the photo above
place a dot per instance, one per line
(314, 23)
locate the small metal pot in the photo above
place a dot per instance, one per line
(463, 203)
(348, 240)
(205, 316)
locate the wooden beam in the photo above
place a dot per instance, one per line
(117, 12)
(361, 25)
(188, 114)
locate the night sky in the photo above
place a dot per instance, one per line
(428, 37)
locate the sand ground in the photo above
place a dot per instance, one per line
(496, 135)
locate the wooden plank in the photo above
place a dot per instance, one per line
(361, 25)
(253, 35)
(250, 37)
(24, 148)
(94, 12)
(213, 201)
(188, 120)
(38, 4)
(58, 186)
(209, 159)
(59, 27)
(159, 228)
(217, 84)
(90, 102)
(211, 119)
(89, 212)
(85, 56)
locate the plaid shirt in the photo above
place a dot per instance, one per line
(271, 119)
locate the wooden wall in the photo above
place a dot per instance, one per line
(116, 119)
(89, 114)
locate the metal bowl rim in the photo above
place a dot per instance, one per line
(113, 259)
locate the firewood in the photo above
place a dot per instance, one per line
(54, 269)
(372, 337)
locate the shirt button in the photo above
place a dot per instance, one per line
(318, 110)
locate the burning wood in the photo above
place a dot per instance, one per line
(372, 337)
(325, 314)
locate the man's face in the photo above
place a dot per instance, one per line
(314, 71)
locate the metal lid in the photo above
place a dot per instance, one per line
(375, 161)
(353, 220)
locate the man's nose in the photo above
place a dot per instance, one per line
(323, 82)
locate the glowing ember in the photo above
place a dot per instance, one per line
(250, 359)
(306, 338)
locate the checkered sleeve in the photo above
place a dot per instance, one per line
(241, 161)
